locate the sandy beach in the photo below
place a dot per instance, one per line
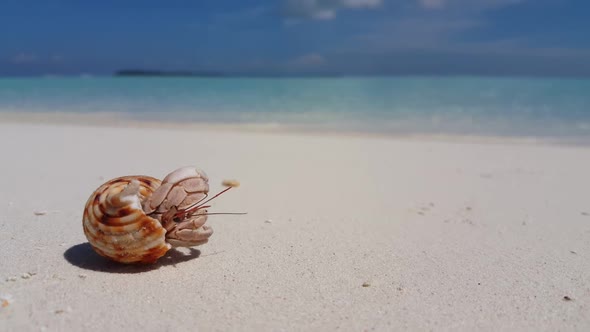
(342, 233)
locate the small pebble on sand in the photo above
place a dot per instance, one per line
(268, 221)
(61, 311)
(366, 284)
(5, 300)
(567, 298)
(40, 213)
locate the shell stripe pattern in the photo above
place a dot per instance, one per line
(118, 228)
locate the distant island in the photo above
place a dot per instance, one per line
(142, 72)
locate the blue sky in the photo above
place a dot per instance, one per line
(490, 37)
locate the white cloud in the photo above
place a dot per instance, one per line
(360, 3)
(465, 4)
(324, 9)
(23, 58)
(56, 58)
(430, 24)
(416, 33)
(432, 4)
(307, 60)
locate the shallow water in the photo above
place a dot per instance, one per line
(470, 105)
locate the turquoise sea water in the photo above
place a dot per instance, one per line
(481, 106)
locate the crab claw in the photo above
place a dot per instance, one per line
(189, 232)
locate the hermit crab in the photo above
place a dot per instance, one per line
(137, 219)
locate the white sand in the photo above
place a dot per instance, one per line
(447, 236)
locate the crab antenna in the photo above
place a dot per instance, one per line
(217, 213)
(218, 194)
(200, 204)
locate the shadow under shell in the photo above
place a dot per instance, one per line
(83, 256)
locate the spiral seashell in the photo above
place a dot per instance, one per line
(139, 218)
(117, 227)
